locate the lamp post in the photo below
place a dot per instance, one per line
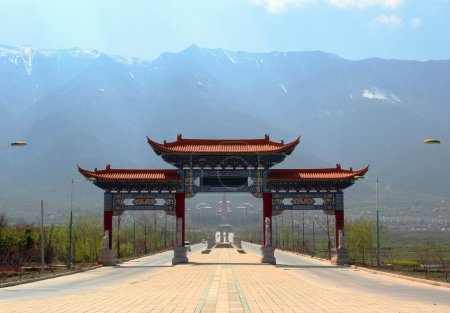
(378, 219)
(69, 250)
(42, 238)
(378, 224)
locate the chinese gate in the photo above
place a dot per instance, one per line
(212, 165)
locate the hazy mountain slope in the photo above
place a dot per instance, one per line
(84, 107)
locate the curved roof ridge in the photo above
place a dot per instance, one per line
(323, 170)
(131, 174)
(336, 173)
(217, 146)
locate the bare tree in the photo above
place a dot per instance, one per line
(425, 256)
(50, 252)
(3, 220)
(292, 231)
(144, 222)
(326, 229)
(328, 236)
(440, 257)
(360, 235)
(94, 241)
(117, 221)
(369, 229)
(155, 239)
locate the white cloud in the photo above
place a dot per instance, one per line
(392, 4)
(387, 20)
(416, 22)
(278, 6)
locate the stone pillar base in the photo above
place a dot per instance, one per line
(268, 255)
(237, 243)
(211, 243)
(107, 257)
(340, 257)
(179, 256)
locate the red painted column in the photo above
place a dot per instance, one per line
(339, 221)
(107, 225)
(267, 213)
(180, 212)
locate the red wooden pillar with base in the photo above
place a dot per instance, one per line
(340, 253)
(179, 250)
(107, 226)
(106, 255)
(339, 222)
(267, 249)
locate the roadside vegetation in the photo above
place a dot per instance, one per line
(419, 254)
(414, 253)
(133, 236)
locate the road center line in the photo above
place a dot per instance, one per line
(200, 304)
(241, 293)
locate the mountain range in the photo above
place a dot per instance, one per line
(85, 107)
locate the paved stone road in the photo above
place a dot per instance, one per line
(221, 281)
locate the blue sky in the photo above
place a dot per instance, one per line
(353, 29)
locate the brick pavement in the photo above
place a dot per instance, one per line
(221, 281)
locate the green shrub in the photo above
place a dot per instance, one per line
(405, 263)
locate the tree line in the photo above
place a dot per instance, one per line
(134, 234)
(315, 235)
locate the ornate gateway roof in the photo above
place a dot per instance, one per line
(223, 165)
(223, 146)
(336, 173)
(110, 174)
(130, 180)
